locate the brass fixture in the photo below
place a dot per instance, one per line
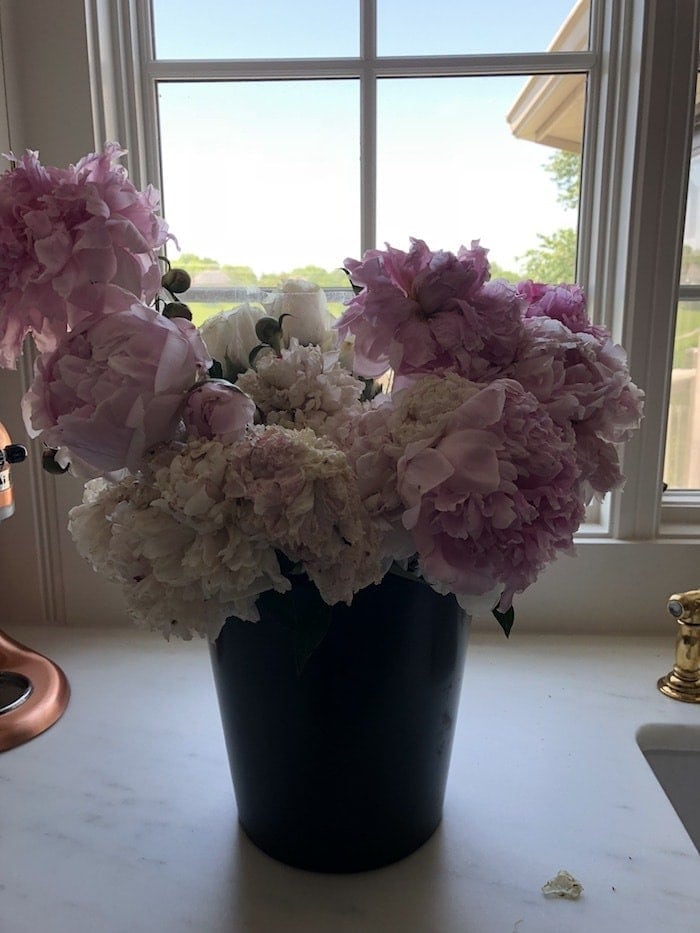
(34, 693)
(683, 682)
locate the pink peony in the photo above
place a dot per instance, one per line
(599, 463)
(581, 379)
(491, 488)
(587, 372)
(565, 303)
(217, 409)
(114, 387)
(424, 311)
(373, 452)
(64, 234)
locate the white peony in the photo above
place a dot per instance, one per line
(230, 336)
(309, 318)
(305, 388)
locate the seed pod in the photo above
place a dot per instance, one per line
(177, 309)
(269, 331)
(48, 462)
(176, 281)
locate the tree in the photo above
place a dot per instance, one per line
(194, 264)
(333, 278)
(565, 168)
(554, 260)
(498, 272)
(240, 275)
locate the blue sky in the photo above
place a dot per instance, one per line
(299, 28)
(267, 175)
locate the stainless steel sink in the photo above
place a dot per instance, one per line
(673, 753)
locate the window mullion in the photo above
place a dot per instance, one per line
(393, 66)
(368, 125)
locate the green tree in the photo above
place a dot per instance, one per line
(194, 264)
(325, 278)
(333, 278)
(565, 169)
(498, 272)
(554, 260)
(272, 279)
(240, 275)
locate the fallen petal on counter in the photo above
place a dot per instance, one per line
(563, 885)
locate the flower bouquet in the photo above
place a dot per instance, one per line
(448, 428)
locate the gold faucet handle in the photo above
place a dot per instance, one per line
(685, 607)
(683, 682)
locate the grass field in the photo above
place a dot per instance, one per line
(201, 310)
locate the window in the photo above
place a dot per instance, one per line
(682, 458)
(367, 126)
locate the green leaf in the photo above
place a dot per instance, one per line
(371, 389)
(253, 355)
(408, 574)
(48, 462)
(505, 619)
(356, 288)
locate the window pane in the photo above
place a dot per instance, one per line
(261, 179)
(682, 465)
(682, 460)
(458, 27)
(213, 29)
(450, 169)
(690, 268)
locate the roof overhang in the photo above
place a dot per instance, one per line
(550, 108)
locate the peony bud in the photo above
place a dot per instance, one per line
(218, 409)
(176, 281)
(177, 309)
(269, 331)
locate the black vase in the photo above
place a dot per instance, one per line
(342, 766)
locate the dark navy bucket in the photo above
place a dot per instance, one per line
(342, 766)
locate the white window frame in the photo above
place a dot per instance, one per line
(640, 104)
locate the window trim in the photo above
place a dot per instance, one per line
(664, 107)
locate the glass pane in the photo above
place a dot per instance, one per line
(682, 464)
(211, 29)
(457, 161)
(459, 27)
(682, 460)
(690, 267)
(261, 181)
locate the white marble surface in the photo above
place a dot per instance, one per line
(122, 817)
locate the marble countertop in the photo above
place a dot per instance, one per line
(121, 817)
